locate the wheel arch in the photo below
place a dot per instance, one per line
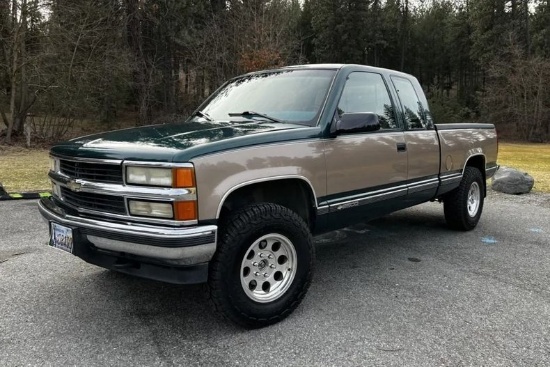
(293, 192)
(478, 161)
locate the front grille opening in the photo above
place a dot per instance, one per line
(98, 172)
(91, 201)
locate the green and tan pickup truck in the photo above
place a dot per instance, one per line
(233, 195)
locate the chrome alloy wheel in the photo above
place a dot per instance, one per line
(474, 198)
(268, 268)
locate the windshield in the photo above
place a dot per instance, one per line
(289, 95)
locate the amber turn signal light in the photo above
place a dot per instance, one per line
(185, 210)
(183, 177)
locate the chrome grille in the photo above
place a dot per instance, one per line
(98, 172)
(91, 201)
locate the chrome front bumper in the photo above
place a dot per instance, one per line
(169, 245)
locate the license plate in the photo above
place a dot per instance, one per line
(62, 238)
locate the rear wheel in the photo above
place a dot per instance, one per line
(263, 266)
(463, 206)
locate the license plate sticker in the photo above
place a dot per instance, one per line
(62, 238)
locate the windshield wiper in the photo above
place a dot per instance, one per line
(203, 115)
(252, 114)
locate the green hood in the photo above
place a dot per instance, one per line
(179, 142)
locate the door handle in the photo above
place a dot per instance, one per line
(401, 147)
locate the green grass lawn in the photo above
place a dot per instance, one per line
(531, 158)
(26, 169)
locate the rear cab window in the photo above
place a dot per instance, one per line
(414, 112)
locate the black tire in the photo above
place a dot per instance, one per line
(460, 214)
(239, 236)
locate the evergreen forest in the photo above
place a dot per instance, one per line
(65, 63)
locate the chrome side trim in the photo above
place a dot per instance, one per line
(423, 185)
(450, 174)
(368, 198)
(383, 194)
(264, 179)
(322, 210)
(450, 178)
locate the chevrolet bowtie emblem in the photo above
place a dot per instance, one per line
(74, 186)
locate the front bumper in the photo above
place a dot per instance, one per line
(150, 251)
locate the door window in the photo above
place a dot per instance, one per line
(367, 92)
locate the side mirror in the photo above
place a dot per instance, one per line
(357, 122)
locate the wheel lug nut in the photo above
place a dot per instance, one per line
(256, 274)
(270, 256)
(262, 254)
(266, 275)
(272, 266)
(254, 264)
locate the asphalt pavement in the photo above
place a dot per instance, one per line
(400, 291)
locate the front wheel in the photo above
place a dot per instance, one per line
(463, 206)
(263, 265)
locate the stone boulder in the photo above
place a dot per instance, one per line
(511, 181)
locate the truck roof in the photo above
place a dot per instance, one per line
(337, 67)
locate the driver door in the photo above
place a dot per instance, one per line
(366, 171)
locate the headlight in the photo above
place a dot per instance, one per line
(149, 176)
(54, 164)
(165, 177)
(180, 210)
(150, 209)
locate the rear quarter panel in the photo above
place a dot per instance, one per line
(459, 142)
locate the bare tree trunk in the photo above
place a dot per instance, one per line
(142, 72)
(527, 35)
(23, 90)
(404, 35)
(13, 76)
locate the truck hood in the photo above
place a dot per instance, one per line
(179, 141)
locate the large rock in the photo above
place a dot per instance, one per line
(512, 181)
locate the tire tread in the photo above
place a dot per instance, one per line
(242, 224)
(456, 213)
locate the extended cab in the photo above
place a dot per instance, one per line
(233, 195)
